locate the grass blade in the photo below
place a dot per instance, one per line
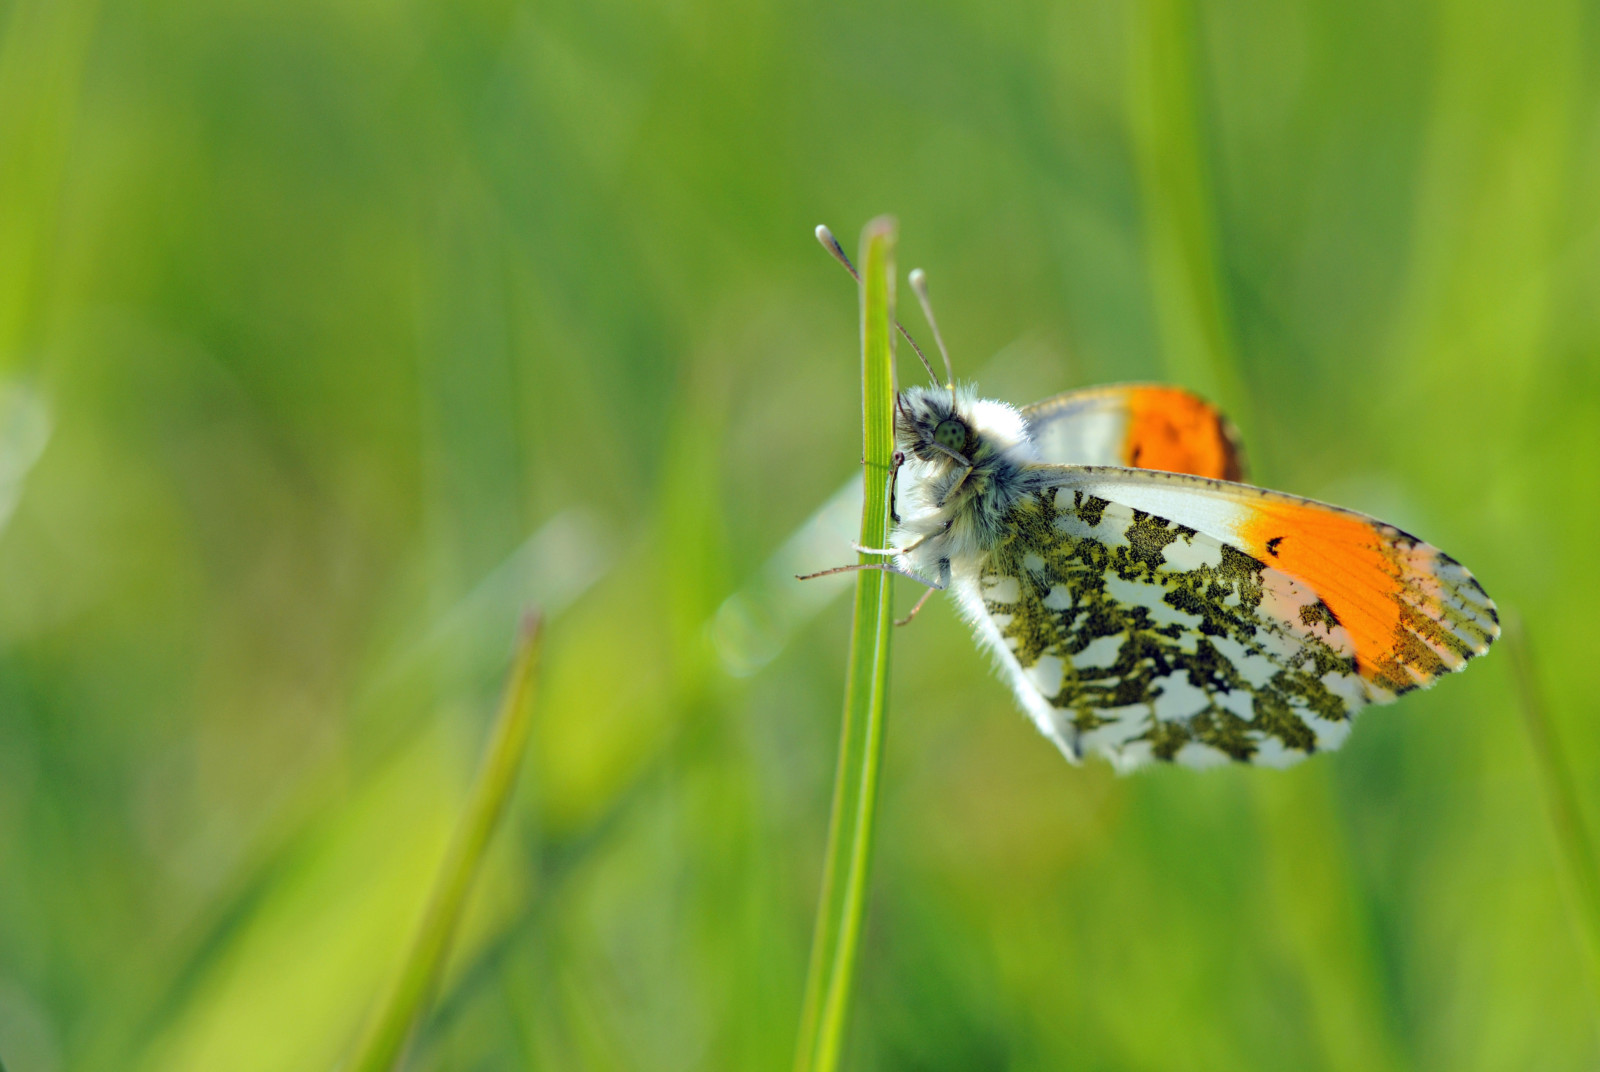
(1561, 796)
(391, 1028)
(855, 791)
(1178, 202)
(1187, 261)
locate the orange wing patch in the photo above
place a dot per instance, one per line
(1411, 611)
(1172, 430)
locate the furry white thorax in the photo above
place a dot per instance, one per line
(955, 512)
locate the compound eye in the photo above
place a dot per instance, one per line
(951, 434)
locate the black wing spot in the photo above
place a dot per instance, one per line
(1319, 613)
(1089, 508)
(1272, 546)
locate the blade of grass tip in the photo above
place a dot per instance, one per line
(383, 1045)
(855, 792)
(1561, 797)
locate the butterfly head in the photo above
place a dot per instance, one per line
(962, 450)
(933, 424)
(930, 426)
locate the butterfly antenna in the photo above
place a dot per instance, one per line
(919, 283)
(831, 244)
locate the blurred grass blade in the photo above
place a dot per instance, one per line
(403, 1007)
(855, 792)
(1178, 205)
(757, 622)
(1566, 819)
(25, 426)
(1186, 261)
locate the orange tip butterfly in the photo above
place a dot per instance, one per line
(1143, 602)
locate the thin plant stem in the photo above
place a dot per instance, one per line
(1573, 840)
(855, 792)
(383, 1046)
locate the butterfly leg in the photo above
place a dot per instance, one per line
(957, 487)
(918, 606)
(944, 582)
(887, 567)
(894, 479)
(912, 546)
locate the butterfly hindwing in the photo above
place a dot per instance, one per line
(1146, 615)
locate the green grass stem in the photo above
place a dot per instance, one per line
(1573, 840)
(855, 792)
(384, 1043)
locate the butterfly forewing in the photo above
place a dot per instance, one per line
(1144, 615)
(1146, 426)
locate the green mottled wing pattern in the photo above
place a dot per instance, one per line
(1131, 636)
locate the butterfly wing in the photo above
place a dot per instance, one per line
(1155, 616)
(1144, 426)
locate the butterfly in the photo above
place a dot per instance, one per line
(1143, 602)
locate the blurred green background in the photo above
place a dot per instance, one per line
(331, 333)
